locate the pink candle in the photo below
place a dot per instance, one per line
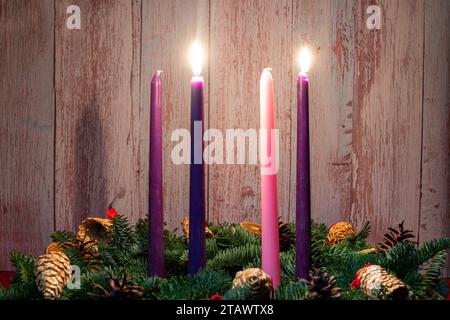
(270, 247)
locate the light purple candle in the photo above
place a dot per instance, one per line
(303, 197)
(155, 199)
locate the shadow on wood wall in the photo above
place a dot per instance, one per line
(90, 161)
(379, 109)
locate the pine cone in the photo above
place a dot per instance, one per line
(340, 231)
(376, 282)
(322, 286)
(118, 289)
(185, 224)
(287, 235)
(88, 249)
(94, 229)
(52, 274)
(394, 236)
(257, 280)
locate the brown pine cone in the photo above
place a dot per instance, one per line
(118, 289)
(322, 286)
(394, 236)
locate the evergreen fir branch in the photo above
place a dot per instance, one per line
(319, 245)
(76, 258)
(228, 236)
(402, 259)
(355, 294)
(442, 289)
(152, 287)
(176, 262)
(292, 291)
(24, 265)
(211, 248)
(141, 236)
(343, 263)
(433, 273)
(238, 293)
(358, 241)
(233, 258)
(121, 234)
(430, 248)
(200, 286)
(417, 284)
(20, 291)
(287, 266)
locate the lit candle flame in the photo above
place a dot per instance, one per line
(196, 58)
(304, 60)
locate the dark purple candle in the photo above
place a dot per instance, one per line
(303, 197)
(197, 256)
(155, 199)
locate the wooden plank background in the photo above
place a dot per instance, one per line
(74, 117)
(27, 125)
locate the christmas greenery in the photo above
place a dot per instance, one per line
(120, 265)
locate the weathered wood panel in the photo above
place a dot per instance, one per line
(379, 104)
(26, 127)
(387, 109)
(168, 30)
(435, 205)
(327, 28)
(97, 106)
(246, 37)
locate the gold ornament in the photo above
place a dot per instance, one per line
(376, 282)
(185, 224)
(257, 280)
(52, 274)
(340, 231)
(251, 227)
(94, 229)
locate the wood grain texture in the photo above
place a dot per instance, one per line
(168, 30)
(379, 110)
(246, 37)
(435, 205)
(387, 108)
(97, 104)
(26, 127)
(327, 28)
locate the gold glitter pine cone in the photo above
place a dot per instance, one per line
(340, 231)
(257, 280)
(376, 282)
(52, 274)
(94, 229)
